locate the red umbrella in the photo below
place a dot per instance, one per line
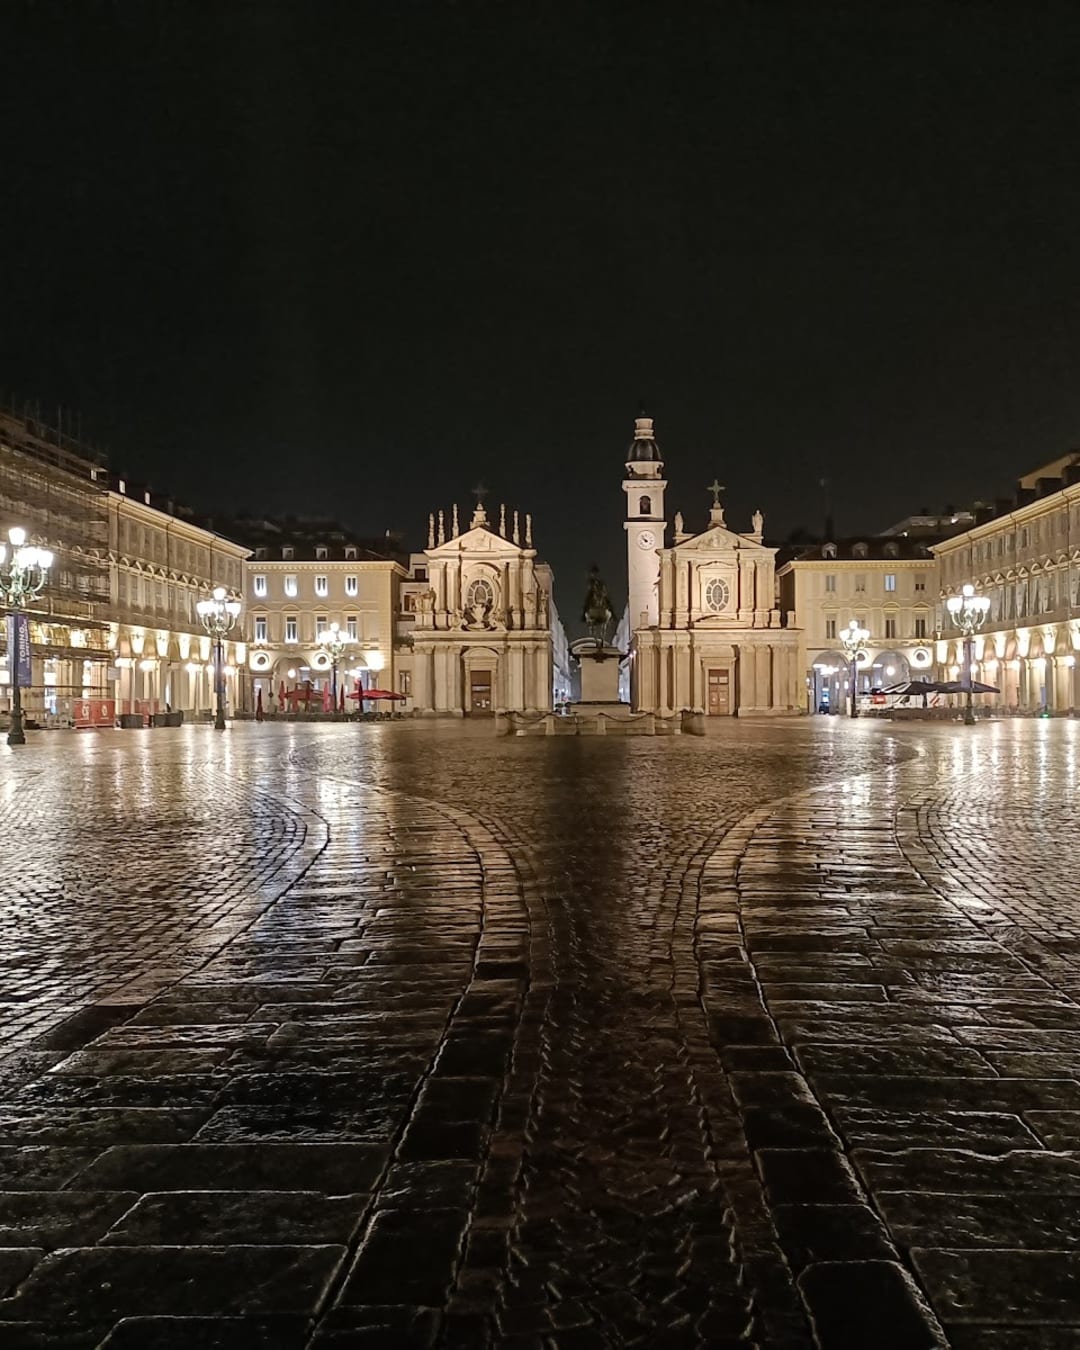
(341, 699)
(326, 698)
(381, 693)
(258, 705)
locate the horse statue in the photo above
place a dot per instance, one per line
(597, 612)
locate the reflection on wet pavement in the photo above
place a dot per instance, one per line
(405, 1035)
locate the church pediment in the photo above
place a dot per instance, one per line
(478, 541)
(719, 539)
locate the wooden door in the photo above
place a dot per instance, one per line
(719, 687)
(480, 692)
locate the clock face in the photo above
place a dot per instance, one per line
(646, 539)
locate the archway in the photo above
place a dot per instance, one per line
(828, 682)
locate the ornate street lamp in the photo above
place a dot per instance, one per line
(968, 612)
(218, 615)
(853, 639)
(334, 643)
(22, 579)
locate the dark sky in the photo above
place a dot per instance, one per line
(353, 258)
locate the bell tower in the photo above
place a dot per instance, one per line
(644, 486)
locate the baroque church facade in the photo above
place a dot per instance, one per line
(704, 631)
(485, 628)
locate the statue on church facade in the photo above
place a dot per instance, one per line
(758, 521)
(597, 611)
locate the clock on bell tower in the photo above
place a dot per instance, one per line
(644, 486)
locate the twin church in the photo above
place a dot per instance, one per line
(702, 630)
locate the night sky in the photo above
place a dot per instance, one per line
(353, 258)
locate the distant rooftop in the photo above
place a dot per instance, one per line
(859, 548)
(312, 539)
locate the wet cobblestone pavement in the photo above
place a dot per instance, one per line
(355, 1036)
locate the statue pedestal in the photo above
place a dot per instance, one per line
(599, 671)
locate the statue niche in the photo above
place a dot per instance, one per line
(479, 604)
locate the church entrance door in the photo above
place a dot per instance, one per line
(480, 692)
(719, 687)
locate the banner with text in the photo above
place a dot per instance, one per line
(18, 650)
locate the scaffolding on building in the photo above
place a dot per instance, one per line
(56, 489)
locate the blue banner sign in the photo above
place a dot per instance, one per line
(18, 649)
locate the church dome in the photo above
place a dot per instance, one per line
(643, 448)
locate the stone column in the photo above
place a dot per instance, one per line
(544, 677)
(1062, 684)
(421, 681)
(764, 696)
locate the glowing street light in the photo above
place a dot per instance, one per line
(853, 639)
(22, 579)
(219, 614)
(968, 612)
(334, 643)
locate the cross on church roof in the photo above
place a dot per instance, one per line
(715, 487)
(480, 492)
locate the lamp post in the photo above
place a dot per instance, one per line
(218, 615)
(22, 579)
(852, 639)
(968, 612)
(334, 643)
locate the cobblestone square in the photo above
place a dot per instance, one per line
(355, 1035)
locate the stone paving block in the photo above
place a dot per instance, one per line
(185, 1036)
(137, 1063)
(430, 1185)
(182, 1092)
(981, 1337)
(298, 1124)
(978, 1131)
(956, 1170)
(40, 1167)
(408, 1257)
(855, 1305)
(98, 1127)
(51, 1219)
(915, 1061)
(807, 1176)
(16, 1263)
(52, 1335)
(379, 1328)
(208, 1333)
(771, 1089)
(85, 1025)
(240, 1218)
(1015, 1287)
(430, 1137)
(958, 1219)
(814, 1233)
(1056, 1129)
(337, 1169)
(186, 1014)
(1009, 1095)
(96, 1283)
